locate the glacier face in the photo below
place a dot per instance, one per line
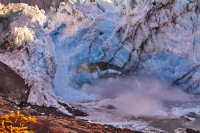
(165, 37)
(78, 43)
(158, 38)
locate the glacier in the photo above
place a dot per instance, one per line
(159, 40)
(60, 51)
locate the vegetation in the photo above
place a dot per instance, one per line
(15, 123)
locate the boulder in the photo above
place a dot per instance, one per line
(12, 86)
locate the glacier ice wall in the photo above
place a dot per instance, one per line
(154, 38)
(158, 38)
(165, 37)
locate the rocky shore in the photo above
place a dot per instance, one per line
(50, 120)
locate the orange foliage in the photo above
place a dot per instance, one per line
(15, 123)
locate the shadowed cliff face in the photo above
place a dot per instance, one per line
(12, 86)
(43, 4)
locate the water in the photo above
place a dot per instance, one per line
(179, 115)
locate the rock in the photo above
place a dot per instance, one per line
(193, 115)
(187, 130)
(12, 86)
(96, 67)
(191, 131)
(110, 107)
(73, 110)
(180, 130)
(189, 118)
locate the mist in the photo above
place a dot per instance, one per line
(137, 96)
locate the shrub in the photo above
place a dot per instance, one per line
(15, 123)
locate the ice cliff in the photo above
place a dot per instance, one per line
(158, 38)
(80, 42)
(27, 49)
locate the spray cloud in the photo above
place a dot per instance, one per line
(138, 96)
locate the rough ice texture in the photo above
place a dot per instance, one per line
(30, 52)
(83, 42)
(159, 38)
(164, 40)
